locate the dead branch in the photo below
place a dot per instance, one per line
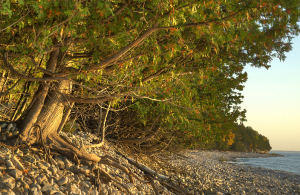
(6, 92)
(103, 131)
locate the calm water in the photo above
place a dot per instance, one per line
(290, 162)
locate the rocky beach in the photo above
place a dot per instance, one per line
(26, 171)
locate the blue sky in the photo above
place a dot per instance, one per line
(272, 100)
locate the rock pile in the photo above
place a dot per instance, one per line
(25, 171)
(8, 130)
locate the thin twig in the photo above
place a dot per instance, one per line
(15, 21)
(102, 132)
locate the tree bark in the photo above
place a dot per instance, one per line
(38, 100)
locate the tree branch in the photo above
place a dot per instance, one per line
(199, 23)
(91, 100)
(141, 140)
(4, 93)
(125, 49)
(17, 74)
(16, 21)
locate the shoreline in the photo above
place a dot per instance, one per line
(216, 175)
(193, 171)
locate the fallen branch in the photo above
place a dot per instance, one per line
(146, 169)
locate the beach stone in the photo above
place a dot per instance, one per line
(8, 192)
(61, 164)
(24, 184)
(17, 190)
(241, 191)
(37, 186)
(48, 172)
(9, 127)
(34, 191)
(62, 181)
(41, 178)
(53, 162)
(84, 184)
(41, 165)
(4, 125)
(53, 170)
(50, 189)
(7, 185)
(68, 166)
(14, 173)
(62, 188)
(6, 178)
(74, 189)
(9, 163)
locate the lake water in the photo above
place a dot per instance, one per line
(289, 163)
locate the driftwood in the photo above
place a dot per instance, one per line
(147, 169)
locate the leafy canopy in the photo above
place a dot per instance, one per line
(184, 59)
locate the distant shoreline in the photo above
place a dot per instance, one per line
(215, 174)
(232, 155)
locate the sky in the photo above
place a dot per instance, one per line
(272, 100)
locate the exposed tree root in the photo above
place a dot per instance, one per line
(61, 146)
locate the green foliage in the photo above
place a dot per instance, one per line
(247, 139)
(189, 68)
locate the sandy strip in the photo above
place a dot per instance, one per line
(210, 172)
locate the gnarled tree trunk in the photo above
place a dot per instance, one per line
(44, 116)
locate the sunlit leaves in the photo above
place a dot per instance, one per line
(190, 69)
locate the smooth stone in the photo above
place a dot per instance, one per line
(14, 173)
(53, 161)
(7, 178)
(26, 191)
(68, 166)
(9, 192)
(63, 181)
(9, 127)
(85, 170)
(66, 161)
(24, 184)
(17, 190)
(41, 178)
(61, 164)
(3, 167)
(58, 193)
(46, 171)
(62, 188)
(34, 185)
(41, 166)
(93, 192)
(3, 125)
(53, 170)
(83, 184)
(7, 185)
(50, 189)
(74, 189)
(2, 160)
(9, 163)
